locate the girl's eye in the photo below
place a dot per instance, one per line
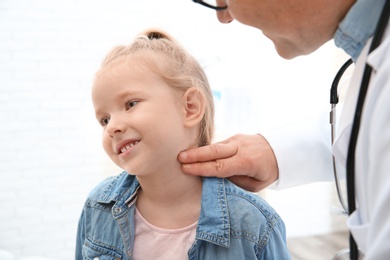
(105, 121)
(131, 104)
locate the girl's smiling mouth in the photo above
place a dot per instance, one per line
(125, 146)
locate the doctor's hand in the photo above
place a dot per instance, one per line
(246, 160)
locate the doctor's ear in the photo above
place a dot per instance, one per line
(194, 106)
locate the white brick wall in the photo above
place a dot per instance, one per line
(50, 154)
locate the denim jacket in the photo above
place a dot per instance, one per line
(233, 223)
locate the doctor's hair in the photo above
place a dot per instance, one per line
(158, 52)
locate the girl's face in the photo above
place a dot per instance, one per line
(142, 119)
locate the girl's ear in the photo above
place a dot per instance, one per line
(194, 106)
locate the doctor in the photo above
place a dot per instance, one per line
(302, 153)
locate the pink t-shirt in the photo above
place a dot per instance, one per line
(152, 242)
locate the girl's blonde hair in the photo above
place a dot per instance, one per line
(168, 59)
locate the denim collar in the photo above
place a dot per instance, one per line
(213, 223)
(358, 26)
(118, 189)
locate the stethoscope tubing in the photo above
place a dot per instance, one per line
(334, 99)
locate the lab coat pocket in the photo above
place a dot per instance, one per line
(359, 231)
(93, 250)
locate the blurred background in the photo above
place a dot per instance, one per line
(50, 145)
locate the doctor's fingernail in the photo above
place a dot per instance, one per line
(187, 166)
(183, 155)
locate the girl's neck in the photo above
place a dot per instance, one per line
(170, 200)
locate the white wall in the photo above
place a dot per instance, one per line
(50, 154)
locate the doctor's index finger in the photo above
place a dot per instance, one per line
(221, 168)
(208, 153)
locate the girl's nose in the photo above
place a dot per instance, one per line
(115, 127)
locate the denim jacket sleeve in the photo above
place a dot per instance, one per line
(276, 247)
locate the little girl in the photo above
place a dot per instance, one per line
(153, 100)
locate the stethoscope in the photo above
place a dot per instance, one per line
(378, 35)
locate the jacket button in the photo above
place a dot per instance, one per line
(118, 210)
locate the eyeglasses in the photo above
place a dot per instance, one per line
(205, 3)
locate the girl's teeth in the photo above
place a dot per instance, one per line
(127, 147)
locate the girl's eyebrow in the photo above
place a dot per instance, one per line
(125, 94)
(98, 113)
(118, 98)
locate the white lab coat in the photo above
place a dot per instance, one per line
(303, 152)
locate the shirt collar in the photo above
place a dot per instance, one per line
(358, 26)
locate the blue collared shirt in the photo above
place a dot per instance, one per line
(233, 224)
(358, 26)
